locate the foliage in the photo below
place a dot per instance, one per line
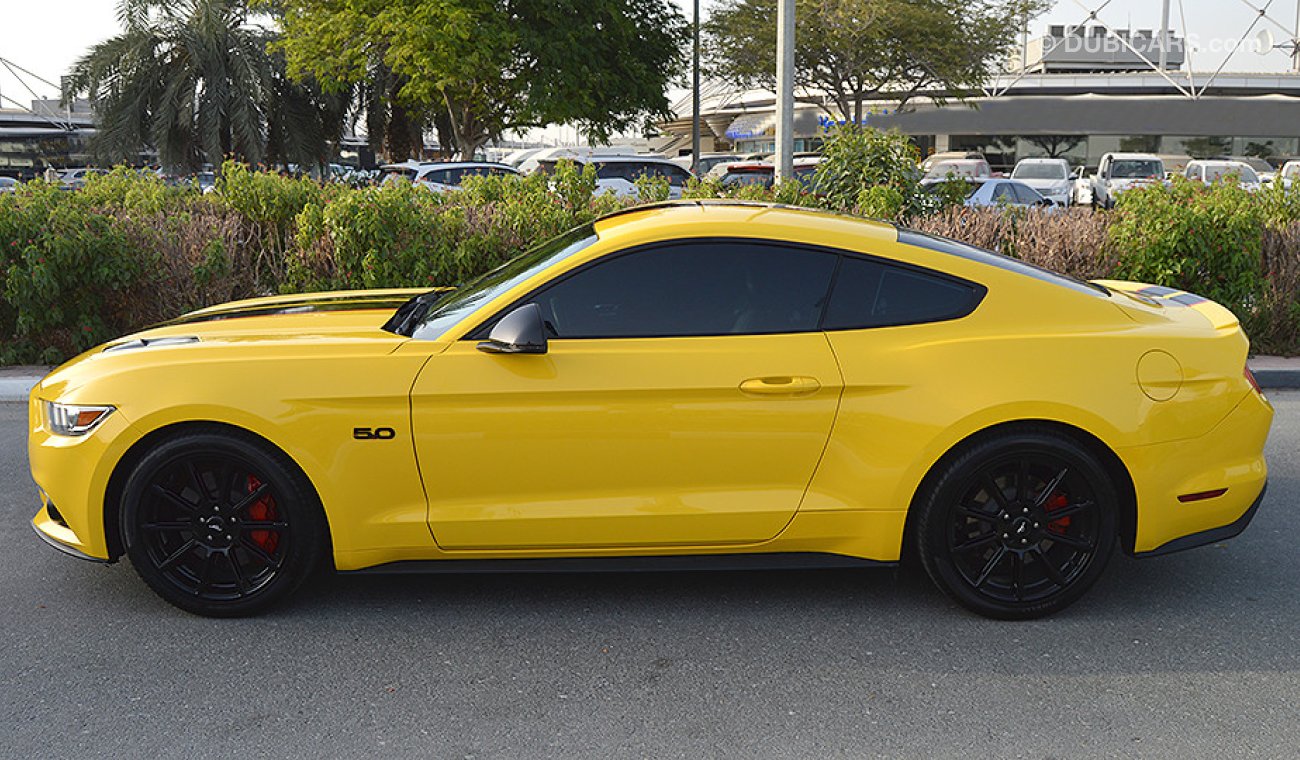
(494, 65)
(77, 268)
(870, 172)
(1206, 240)
(854, 49)
(195, 80)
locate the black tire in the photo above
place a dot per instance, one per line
(221, 524)
(1017, 525)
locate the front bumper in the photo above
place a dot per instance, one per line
(60, 537)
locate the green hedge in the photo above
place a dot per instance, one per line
(78, 268)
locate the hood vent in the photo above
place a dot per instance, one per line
(176, 340)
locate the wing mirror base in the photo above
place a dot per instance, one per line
(519, 332)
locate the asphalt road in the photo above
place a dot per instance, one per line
(1192, 655)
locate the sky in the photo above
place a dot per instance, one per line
(47, 36)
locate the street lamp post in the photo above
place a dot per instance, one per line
(785, 90)
(695, 97)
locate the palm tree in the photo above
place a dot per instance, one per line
(196, 80)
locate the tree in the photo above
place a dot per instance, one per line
(854, 50)
(194, 79)
(1206, 147)
(494, 65)
(1056, 146)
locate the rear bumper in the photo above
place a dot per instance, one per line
(1211, 536)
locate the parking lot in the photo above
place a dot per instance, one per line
(1189, 655)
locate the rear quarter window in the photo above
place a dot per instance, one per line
(870, 294)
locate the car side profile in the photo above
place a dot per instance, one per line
(686, 384)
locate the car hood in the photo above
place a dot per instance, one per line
(276, 328)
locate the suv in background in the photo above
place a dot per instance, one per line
(1118, 172)
(708, 162)
(1209, 172)
(618, 174)
(1049, 176)
(964, 168)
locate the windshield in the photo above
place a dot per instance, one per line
(1039, 171)
(465, 300)
(1242, 172)
(1136, 169)
(955, 168)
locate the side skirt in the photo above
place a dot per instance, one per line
(639, 564)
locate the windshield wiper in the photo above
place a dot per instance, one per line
(409, 314)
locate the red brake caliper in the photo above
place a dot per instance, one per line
(263, 510)
(1058, 501)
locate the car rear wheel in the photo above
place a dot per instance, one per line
(1018, 525)
(221, 524)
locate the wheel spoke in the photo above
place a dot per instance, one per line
(197, 478)
(177, 555)
(170, 526)
(1069, 510)
(240, 583)
(263, 525)
(1048, 568)
(251, 498)
(990, 566)
(1071, 541)
(1050, 488)
(979, 542)
(257, 552)
(1022, 481)
(977, 515)
(205, 575)
(995, 493)
(1018, 575)
(175, 499)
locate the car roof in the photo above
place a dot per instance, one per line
(1042, 160)
(464, 165)
(1135, 157)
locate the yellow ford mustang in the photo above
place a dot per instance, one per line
(677, 385)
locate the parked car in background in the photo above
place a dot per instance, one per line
(519, 156)
(1209, 172)
(1051, 177)
(1266, 171)
(1289, 173)
(951, 155)
(8, 184)
(618, 174)
(1119, 172)
(763, 173)
(708, 162)
(75, 179)
(964, 167)
(445, 176)
(985, 192)
(399, 172)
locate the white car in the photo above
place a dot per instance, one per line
(618, 174)
(964, 168)
(1049, 176)
(8, 184)
(708, 162)
(441, 176)
(951, 155)
(1119, 172)
(1209, 172)
(1289, 173)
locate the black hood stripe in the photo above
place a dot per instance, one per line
(292, 307)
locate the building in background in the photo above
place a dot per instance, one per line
(1079, 93)
(47, 134)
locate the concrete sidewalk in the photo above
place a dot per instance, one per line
(1272, 372)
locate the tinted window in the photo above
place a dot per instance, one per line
(695, 288)
(1002, 192)
(1027, 195)
(871, 294)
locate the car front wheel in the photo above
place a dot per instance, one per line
(220, 524)
(1018, 525)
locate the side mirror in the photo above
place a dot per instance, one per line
(519, 332)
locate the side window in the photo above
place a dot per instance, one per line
(612, 171)
(1002, 193)
(871, 294)
(678, 176)
(692, 288)
(1026, 195)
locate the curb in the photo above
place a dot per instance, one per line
(1270, 372)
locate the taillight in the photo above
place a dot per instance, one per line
(1250, 378)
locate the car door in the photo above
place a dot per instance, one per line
(685, 399)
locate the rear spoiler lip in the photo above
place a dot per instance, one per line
(1219, 316)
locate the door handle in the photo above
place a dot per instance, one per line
(784, 385)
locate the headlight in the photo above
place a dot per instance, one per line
(74, 419)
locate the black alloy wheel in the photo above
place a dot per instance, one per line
(1019, 525)
(220, 524)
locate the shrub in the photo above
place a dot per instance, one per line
(1206, 240)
